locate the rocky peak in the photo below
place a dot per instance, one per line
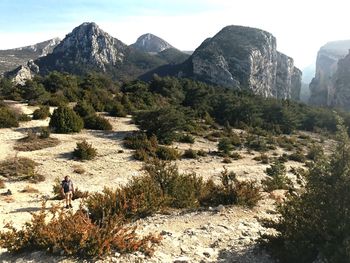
(322, 87)
(13, 58)
(89, 44)
(151, 43)
(238, 57)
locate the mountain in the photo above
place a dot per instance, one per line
(322, 87)
(160, 48)
(243, 58)
(151, 43)
(12, 58)
(88, 48)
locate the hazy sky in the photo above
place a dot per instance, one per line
(300, 26)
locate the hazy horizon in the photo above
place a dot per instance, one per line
(301, 28)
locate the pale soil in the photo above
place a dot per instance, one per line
(112, 168)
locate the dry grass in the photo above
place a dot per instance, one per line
(2, 184)
(8, 199)
(78, 169)
(30, 190)
(28, 144)
(20, 168)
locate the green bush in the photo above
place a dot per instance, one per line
(84, 151)
(84, 109)
(8, 118)
(315, 152)
(118, 110)
(225, 145)
(42, 113)
(186, 138)
(167, 153)
(24, 117)
(313, 226)
(95, 122)
(277, 178)
(65, 120)
(44, 133)
(190, 154)
(297, 156)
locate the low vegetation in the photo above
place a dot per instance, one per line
(65, 120)
(314, 224)
(80, 236)
(34, 141)
(276, 178)
(42, 113)
(20, 168)
(84, 151)
(164, 187)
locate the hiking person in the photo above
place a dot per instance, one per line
(67, 190)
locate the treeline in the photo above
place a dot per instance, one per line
(180, 102)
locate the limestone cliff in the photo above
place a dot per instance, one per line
(288, 78)
(322, 87)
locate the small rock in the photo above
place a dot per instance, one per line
(117, 255)
(220, 208)
(166, 233)
(9, 192)
(182, 260)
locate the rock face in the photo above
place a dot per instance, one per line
(23, 73)
(322, 87)
(341, 86)
(88, 48)
(288, 78)
(242, 58)
(151, 43)
(13, 58)
(238, 57)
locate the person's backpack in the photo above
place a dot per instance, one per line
(65, 186)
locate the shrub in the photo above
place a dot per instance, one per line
(202, 153)
(8, 118)
(315, 152)
(24, 117)
(230, 191)
(140, 141)
(236, 156)
(84, 151)
(297, 156)
(167, 153)
(78, 169)
(190, 154)
(29, 189)
(96, 122)
(42, 113)
(2, 184)
(65, 120)
(80, 236)
(44, 133)
(225, 145)
(227, 160)
(313, 226)
(83, 109)
(19, 168)
(256, 143)
(186, 138)
(277, 178)
(33, 142)
(117, 110)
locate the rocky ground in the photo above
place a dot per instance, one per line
(220, 234)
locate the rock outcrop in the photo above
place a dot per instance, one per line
(242, 58)
(322, 87)
(341, 84)
(288, 78)
(151, 43)
(13, 58)
(23, 73)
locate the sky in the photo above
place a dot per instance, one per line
(300, 26)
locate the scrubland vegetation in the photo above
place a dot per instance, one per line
(313, 220)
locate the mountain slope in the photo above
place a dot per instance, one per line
(12, 58)
(151, 43)
(88, 48)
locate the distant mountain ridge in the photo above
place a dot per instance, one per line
(12, 58)
(236, 57)
(323, 86)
